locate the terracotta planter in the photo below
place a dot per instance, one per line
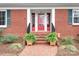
(52, 43)
(29, 43)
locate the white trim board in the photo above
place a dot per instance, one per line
(39, 7)
(39, 4)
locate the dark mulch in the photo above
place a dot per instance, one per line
(64, 52)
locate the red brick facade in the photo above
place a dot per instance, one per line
(62, 26)
(18, 22)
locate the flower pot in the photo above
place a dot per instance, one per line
(52, 43)
(29, 43)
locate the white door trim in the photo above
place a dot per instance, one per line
(36, 22)
(45, 24)
(52, 20)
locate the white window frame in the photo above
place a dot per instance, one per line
(74, 16)
(3, 26)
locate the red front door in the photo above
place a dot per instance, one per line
(41, 23)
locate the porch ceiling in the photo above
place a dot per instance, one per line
(39, 4)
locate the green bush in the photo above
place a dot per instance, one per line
(67, 41)
(71, 48)
(1, 31)
(9, 38)
(1, 39)
(1, 36)
(16, 46)
(52, 37)
(29, 37)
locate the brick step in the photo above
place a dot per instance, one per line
(41, 39)
(40, 36)
(41, 42)
(41, 33)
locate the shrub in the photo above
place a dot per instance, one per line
(1, 36)
(67, 40)
(1, 39)
(30, 37)
(52, 37)
(9, 38)
(16, 46)
(71, 48)
(1, 31)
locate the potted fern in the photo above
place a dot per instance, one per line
(29, 38)
(52, 38)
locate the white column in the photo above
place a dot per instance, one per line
(28, 18)
(36, 22)
(45, 23)
(6, 19)
(53, 16)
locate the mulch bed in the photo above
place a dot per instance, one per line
(5, 50)
(64, 52)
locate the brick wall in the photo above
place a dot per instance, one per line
(62, 26)
(18, 22)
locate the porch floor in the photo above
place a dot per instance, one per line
(39, 50)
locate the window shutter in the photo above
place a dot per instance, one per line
(8, 17)
(69, 16)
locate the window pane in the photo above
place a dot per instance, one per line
(3, 22)
(41, 19)
(0, 22)
(76, 15)
(48, 21)
(2, 17)
(33, 21)
(76, 19)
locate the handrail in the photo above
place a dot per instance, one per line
(28, 28)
